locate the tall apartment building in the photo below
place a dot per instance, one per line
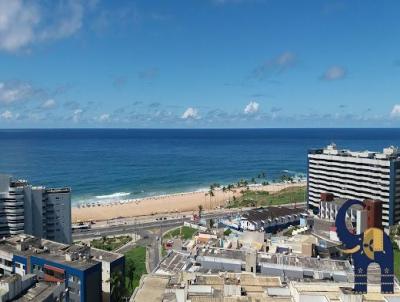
(38, 211)
(356, 175)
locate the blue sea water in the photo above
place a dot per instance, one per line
(104, 164)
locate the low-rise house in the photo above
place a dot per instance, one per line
(271, 219)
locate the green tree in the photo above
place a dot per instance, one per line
(200, 207)
(117, 282)
(211, 193)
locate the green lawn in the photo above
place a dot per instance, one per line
(135, 267)
(263, 198)
(397, 263)
(110, 244)
(184, 232)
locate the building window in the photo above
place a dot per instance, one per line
(74, 279)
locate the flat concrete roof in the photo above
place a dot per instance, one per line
(55, 251)
(151, 289)
(104, 255)
(305, 262)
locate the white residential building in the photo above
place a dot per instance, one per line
(356, 175)
(38, 211)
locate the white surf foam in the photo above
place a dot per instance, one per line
(113, 195)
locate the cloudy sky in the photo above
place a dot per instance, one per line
(199, 63)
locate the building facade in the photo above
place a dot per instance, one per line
(356, 175)
(37, 211)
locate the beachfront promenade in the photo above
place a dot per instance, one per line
(168, 204)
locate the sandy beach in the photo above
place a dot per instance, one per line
(173, 203)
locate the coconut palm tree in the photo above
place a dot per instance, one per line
(200, 210)
(224, 189)
(211, 193)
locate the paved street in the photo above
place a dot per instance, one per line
(108, 230)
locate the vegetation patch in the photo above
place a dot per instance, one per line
(183, 232)
(397, 263)
(227, 232)
(111, 243)
(135, 267)
(263, 198)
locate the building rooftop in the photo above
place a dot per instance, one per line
(223, 253)
(306, 262)
(173, 263)
(103, 255)
(270, 213)
(40, 292)
(390, 152)
(78, 256)
(332, 292)
(207, 287)
(151, 289)
(246, 287)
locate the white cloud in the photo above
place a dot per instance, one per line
(6, 115)
(24, 22)
(76, 116)
(49, 104)
(251, 108)
(395, 111)
(17, 23)
(334, 73)
(190, 113)
(14, 92)
(104, 117)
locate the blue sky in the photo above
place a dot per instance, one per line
(199, 63)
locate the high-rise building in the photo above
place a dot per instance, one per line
(38, 211)
(356, 175)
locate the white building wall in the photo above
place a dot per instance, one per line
(349, 177)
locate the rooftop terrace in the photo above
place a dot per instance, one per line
(78, 256)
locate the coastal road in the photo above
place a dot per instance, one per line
(140, 226)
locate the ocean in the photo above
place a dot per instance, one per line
(113, 164)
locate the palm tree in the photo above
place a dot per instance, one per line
(200, 210)
(224, 189)
(211, 193)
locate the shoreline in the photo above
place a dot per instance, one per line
(167, 203)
